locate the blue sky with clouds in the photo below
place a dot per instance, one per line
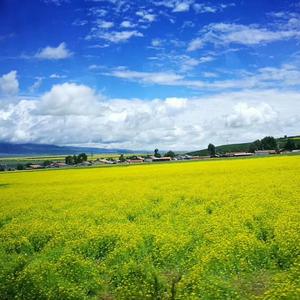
(143, 74)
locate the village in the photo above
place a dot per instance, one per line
(168, 157)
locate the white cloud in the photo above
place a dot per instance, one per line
(98, 12)
(202, 8)
(162, 78)
(196, 44)
(96, 67)
(105, 24)
(146, 16)
(178, 6)
(57, 76)
(69, 99)
(9, 83)
(127, 24)
(115, 36)
(76, 114)
(286, 75)
(247, 35)
(166, 3)
(282, 77)
(244, 115)
(182, 6)
(180, 63)
(156, 43)
(54, 53)
(79, 22)
(36, 85)
(209, 75)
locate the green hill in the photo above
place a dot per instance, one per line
(244, 147)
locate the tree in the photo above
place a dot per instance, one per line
(20, 167)
(122, 158)
(81, 158)
(290, 145)
(256, 145)
(75, 160)
(169, 154)
(211, 150)
(69, 160)
(47, 163)
(156, 153)
(269, 143)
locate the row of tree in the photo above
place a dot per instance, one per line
(290, 145)
(167, 154)
(156, 153)
(267, 143)
(75, 159)
(270, 143)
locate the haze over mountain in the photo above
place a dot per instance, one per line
(9, 149)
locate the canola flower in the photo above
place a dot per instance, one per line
(200, 230)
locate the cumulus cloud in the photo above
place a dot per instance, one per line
(69, 99)
(9, 83)
(54, 53)
(244, 115)
(76, 114)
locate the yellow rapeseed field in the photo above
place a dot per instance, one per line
(202, 230)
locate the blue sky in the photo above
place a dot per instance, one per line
(144, 74)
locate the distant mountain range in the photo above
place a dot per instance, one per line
(11, 149)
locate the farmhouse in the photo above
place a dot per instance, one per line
(264, 152)
(57, 165)
(105, 161)
(184, 157)
(238, 154)
(85, 163)
(135, 161)
(35, 166)
(157, 159)
(148, 159)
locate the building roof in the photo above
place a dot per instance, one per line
(265, 151)
(135, 160)
(161, 158)
(35, 166)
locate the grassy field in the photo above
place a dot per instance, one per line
(200, 230)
